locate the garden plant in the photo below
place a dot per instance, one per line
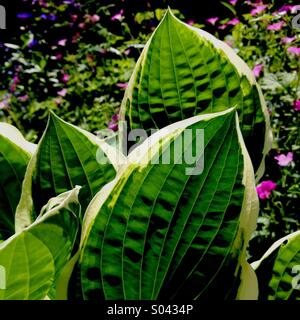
(164, 204)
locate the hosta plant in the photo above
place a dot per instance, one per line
(172, 217)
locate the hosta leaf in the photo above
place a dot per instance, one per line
(33, 259)
(177, 233)
(15, 153)
(66, 156)
(184, 71)
(278, 270)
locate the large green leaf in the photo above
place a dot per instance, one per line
(160, 230)
(184, 71)
(278, 271)
(33, 259)
(66, 156)
(15, 153)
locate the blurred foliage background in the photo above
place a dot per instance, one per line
(76, 57)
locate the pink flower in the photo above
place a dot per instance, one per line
(297, 105)
(288, 39)
(127, 52)
(81, 25)
(233, 22)
(95, 18)
(92, 18)
(122, 85)
(294, 50)
(257, 70)
(65, 78)
(62, 42)
(285, 8)
(62, 92)
(212, 20)
(233, 2)
(74, 17)
(275, 26)
(118, 16)
(58, 101)
(284, 160)
(24, 98)
(223, 26)
(264, 189)
(258, 10)
(190, 22)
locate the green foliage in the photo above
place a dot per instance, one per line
(184, 72)
(183, 235)
(33, 258)
(278, 269)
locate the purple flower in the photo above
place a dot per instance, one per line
(115, 118)
(52, 17)
(32, 43)
(264, 189)
(284, 160)
(294, 50)
(212, 20)
(113, 124)
(276, 26)
(257, 70)
(258, 9)
(14, 84)
(288, 39)
(117, 16)
(43, 16)
(233, 2)
(58, 56)
(23, 98)
(297, 105)
(62, 92)
(24, 15)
